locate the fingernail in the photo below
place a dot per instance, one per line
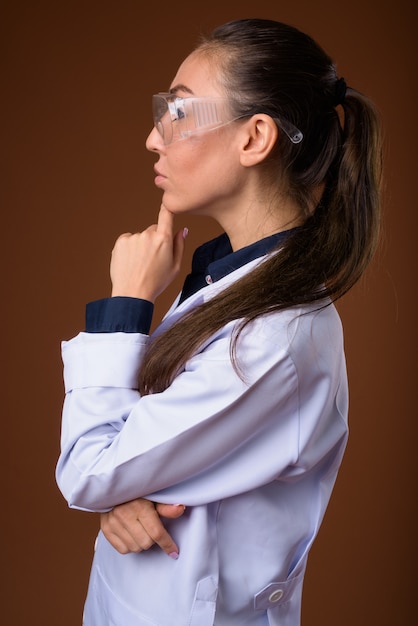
(174, 555)
(182, 505)
(185, 232)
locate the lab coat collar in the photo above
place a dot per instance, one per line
(215, 259)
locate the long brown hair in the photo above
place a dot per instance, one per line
(270, 67)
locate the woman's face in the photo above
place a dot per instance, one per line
(200, 173)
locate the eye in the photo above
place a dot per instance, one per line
(177, 110)
(180, 112)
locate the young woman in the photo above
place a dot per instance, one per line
(231, 418)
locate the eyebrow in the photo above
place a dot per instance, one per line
(181, 87)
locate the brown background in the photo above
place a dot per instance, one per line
(76, 81)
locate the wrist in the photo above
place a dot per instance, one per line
(138, 293)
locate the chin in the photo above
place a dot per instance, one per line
(177, 207)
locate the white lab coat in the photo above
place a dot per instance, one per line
(253, 460)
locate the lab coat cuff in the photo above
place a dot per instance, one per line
(103, 360)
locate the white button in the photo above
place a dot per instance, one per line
(276, 595)
(208, 279)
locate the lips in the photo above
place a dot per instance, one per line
(159, 177)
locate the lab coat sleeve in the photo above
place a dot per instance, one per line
(211, 434)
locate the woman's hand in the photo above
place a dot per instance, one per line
(144, 264)
(136, 525)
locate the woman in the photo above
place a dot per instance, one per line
(236, 405)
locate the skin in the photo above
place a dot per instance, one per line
(136, 526)
(143, 264)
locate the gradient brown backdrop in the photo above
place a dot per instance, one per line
(76, 81)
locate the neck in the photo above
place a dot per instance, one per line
(258, 222)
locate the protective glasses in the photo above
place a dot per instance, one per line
(177, 118)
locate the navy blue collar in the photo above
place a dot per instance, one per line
(215, 259)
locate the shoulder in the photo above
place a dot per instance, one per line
(308, 337)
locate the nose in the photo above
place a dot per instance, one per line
(154, 142)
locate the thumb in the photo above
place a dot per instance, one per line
(170, 510)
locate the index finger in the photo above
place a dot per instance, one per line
(165, 221)
(154, 528)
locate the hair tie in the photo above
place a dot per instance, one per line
(340, 89)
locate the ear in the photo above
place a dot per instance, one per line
(259, 138)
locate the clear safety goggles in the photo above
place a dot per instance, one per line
(177, 118)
